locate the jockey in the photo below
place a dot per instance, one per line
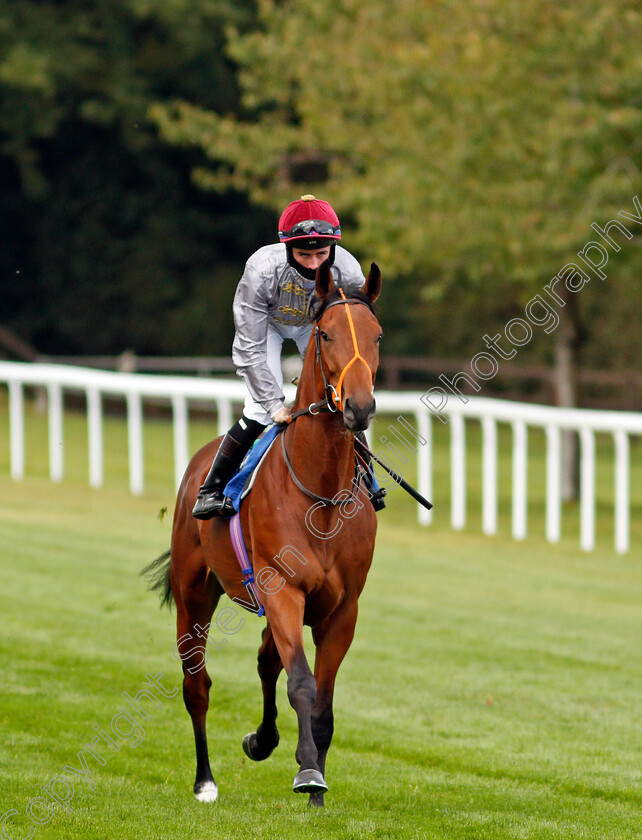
(274, 300)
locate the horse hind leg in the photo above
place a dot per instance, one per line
(259, 745)
(193, 617)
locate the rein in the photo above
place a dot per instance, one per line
(345, 495)
(331, 403)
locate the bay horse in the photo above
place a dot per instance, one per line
(334, 546)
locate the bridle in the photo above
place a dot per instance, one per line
(332, 401)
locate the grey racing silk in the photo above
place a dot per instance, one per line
(272, 292)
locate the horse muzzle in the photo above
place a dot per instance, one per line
(356, 415)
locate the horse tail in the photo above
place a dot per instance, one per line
(158, 578)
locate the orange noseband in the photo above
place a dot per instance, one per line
(357, 357)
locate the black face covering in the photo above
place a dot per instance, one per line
(308, 273)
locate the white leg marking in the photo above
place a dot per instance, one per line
(207, 793)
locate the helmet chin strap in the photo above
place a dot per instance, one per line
(308, 273)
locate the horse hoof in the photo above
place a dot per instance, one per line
(206, 791)
(247, 745)
(251, 747)
(309, 781)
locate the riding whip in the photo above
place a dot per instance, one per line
(400, 481)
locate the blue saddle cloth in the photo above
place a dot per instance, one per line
(234, 487)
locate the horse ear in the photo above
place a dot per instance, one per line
(373, 283)
(324, 282)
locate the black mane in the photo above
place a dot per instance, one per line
(335, 296)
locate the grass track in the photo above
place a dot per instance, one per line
(492, 690)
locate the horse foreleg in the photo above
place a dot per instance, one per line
(259, 745)
(285, 614)
(332, 639)
(193, 617)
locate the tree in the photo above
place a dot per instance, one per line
(458, 139)
(104, 242)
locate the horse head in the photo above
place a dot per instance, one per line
(347, 336)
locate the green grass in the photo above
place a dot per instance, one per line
(492, 690)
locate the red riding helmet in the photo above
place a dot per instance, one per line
(309, 223)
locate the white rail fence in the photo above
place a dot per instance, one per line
(226, 394)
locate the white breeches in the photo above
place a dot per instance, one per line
(253, 410)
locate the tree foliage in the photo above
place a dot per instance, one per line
(468, 148)
(104, 241)
(102, 64)
(481, 138)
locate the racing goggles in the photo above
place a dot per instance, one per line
(309, 227)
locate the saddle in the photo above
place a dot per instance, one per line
(240, 485)
(238, 488)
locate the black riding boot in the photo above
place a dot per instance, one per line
(376, 496)
(210, 500)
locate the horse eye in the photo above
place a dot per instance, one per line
(325, 336)
(379, 337)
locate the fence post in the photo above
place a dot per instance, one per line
(181, 437)
(553, 482)
(424, 466)
(622, 492)
(458, 471)
(224, 411)
(95, 437)
(520, 475)
(135, 440)
(587, 490)
(489, 474)
(56, 446)
(17, 428)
